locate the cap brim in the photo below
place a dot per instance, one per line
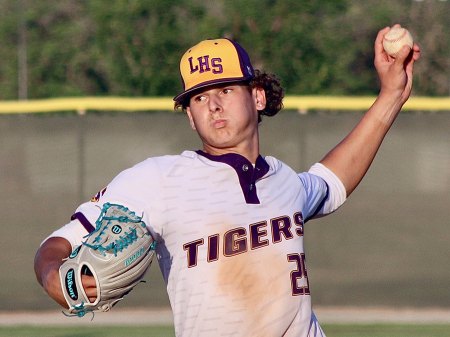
(182, 96)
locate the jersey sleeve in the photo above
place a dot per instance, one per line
(336, 194)
(325, 192)
(74, 232)
(137, 188)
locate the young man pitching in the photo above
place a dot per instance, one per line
(227, 219)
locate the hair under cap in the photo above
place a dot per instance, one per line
(213, 62)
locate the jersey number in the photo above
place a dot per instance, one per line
(298, 274)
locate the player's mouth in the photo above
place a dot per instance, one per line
(219, 123)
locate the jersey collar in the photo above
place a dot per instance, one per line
(247, 173)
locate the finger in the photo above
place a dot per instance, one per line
(416, 51)
(91, 292)
(413, 55)
(411, 59)
(88, 281)
(403, 54)
(380, 53)
(90, 287)
(379, 39)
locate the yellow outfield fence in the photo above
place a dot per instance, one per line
(301, 104)
(83, 104)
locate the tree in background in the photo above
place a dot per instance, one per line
(9, 37)
(132, 48)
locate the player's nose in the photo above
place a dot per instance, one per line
(214, 103)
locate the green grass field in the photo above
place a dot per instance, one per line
(332, 330)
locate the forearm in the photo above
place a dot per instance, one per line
(352, 157)
(47, 261)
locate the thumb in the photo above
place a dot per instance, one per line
(402, 54)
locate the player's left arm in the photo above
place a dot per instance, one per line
(352, 157)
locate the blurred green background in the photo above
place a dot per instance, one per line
(132, 47)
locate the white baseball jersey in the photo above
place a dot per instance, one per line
(230, 238)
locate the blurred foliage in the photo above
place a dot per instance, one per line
(132, 47)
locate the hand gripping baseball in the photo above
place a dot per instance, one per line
(117, 254)
(395, 74)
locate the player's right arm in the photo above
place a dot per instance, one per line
(59, 245)
(352, 157)
(48, 259)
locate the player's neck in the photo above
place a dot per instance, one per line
(249, 152)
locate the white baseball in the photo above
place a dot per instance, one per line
(395, 39)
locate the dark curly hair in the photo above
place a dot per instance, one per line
(274, 92)
(272, 87)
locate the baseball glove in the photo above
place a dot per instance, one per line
(117, 254)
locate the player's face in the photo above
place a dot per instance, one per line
(226, 118)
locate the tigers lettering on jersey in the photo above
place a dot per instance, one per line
(238, 240)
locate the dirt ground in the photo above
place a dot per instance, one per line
(164, 316)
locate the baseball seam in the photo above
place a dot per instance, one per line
(392, 40)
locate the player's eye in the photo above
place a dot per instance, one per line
(199, 98)
(226, 90)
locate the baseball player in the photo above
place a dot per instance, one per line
(229, 221)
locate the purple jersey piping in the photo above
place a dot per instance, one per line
(247, 174)
(84, 221)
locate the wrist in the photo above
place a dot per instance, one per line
(387, 106)
(52, 285)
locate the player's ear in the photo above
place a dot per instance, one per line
(259, 96)
(191, 120)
